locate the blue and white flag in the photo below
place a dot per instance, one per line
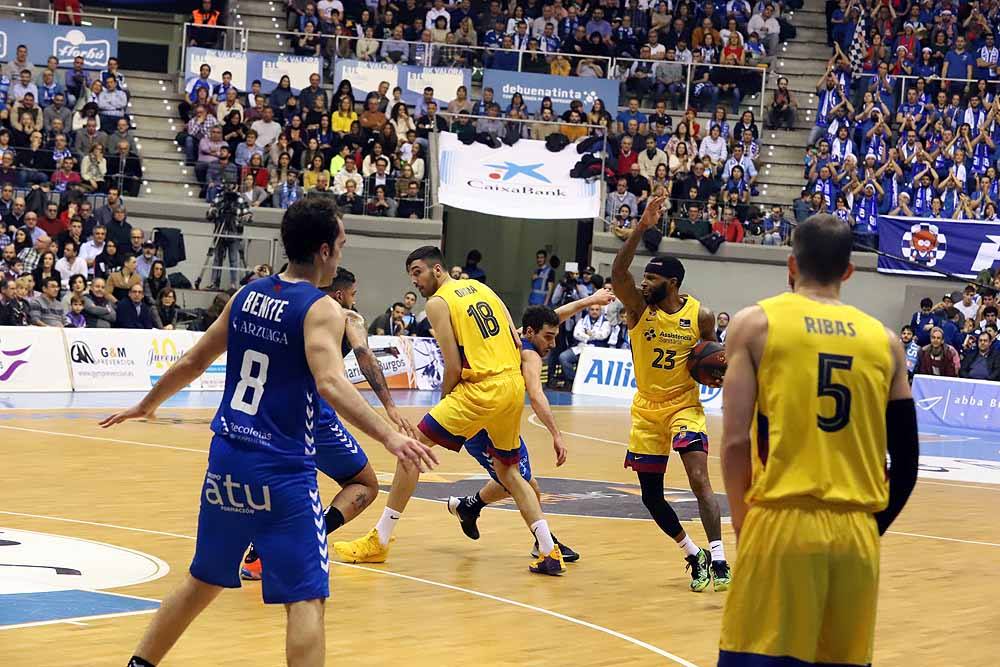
(934, 245)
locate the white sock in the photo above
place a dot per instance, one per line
(688, 546)
(718, 552)
(386, 524)
(541, 531)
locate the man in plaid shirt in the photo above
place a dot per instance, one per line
(31, 255)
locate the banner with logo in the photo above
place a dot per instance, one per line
(393, 355)
(961, 247)
(234, 62)
(562, 90)
(957, 403)
(365, 78)
(246, 67)
(268, 68)
(521, 181)
(164, 348)
(604, 371)
(65, 42)
(32, 359)
(109, 360)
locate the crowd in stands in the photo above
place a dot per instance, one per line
(915, 131)
(956, 337)
(646, 45)
(66, 130)
(279, 146)
(82, 267)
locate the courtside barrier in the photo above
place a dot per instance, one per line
(43, 359)
(605, 371)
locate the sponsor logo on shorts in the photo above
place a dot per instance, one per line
(235, 496)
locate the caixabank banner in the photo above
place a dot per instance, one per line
(525, 180)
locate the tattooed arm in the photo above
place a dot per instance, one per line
(357, 337)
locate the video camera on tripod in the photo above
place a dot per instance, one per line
(229, 213)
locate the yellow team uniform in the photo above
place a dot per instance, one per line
(490, 395)
(666, 409)
(806, 580)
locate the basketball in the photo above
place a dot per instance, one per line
(707, 362)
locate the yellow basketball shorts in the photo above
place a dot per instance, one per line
(493, 405)
(805, 588)
(659, 426)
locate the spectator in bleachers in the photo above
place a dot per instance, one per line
(99, 307)
(70, 264)
(125, 171)
(122, 132)
(112, 102)
(13, 312)
(93, 248)
(94, 169)
(46, 308)
(57, 110)
(131, 311)
(46, 268)
(124, 278)
(88, 137)
(145, 259)
(938, 357)
(76, 81)
(12, 70)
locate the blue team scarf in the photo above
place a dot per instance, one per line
(866, 212)
(922, 199)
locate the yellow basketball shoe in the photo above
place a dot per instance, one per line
(367, 549)
(551, 563)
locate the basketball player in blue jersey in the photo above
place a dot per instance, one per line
(281, 337)
(539, 327)
(339, 456)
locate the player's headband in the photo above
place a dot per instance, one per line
(667, 267)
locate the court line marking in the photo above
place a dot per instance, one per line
(430, 582)
(580, 516)
(75, 620)
(534, 421)
(103, 439)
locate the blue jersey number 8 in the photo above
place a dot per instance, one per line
(250, 381)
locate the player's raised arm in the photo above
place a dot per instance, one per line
(739, 399)
(621, 278)
(706, 324)
(601, 297)
(901, 437)
(186, 370)
(440, 317)
(324, 324)
(531, 369)
(370, 368)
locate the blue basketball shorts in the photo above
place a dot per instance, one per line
(253, 496)
(478, 445)
(338, 454)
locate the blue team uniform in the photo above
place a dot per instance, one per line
(260, 485)
(338, 454)
(477, 444)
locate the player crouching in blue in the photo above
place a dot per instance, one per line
(539, 327)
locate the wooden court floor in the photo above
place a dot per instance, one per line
(442, 599)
